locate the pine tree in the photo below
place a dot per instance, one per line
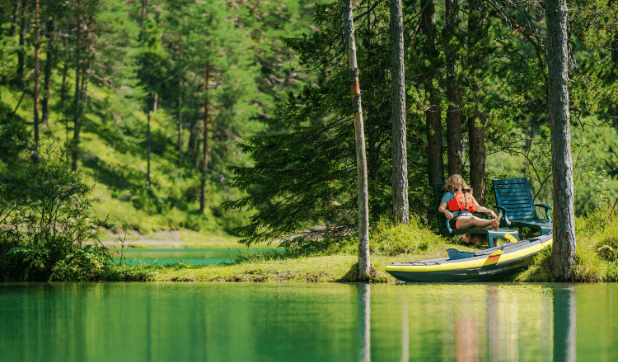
(398, 99)
(563, 255)
(361, 158)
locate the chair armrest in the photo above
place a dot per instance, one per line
(448, 224)
(502, 210)
(547, 208)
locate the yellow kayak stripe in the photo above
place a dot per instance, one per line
(491, 259)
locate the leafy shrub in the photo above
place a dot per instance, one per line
(46, 228)
(389, 239)
(608, 248)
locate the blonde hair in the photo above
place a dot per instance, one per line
(450, 187)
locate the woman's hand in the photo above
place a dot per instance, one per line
(448, 214)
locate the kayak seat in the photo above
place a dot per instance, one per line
(455, 254)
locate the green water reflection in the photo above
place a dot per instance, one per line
(305, 322)
(188, 256)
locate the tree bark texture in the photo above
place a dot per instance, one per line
(205, 147)
(49, 30)
(36, 76)
(401, 208)
(148, 149)
(77, 110)
(21, 53)
(433, 114)
(361, 159)
(476, 139)
(14, 16)
(563, 255)
(476, 132)
(453, 113)
(180, 83)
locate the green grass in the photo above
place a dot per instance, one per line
(337, 263)
(389, 244)
(595, 259)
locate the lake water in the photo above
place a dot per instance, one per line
(188, 256)
(308, 322)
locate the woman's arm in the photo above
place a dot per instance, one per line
(480, 208)
(442, 209)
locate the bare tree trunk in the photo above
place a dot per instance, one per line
(15, 15)
(21, 53)
(148, 149)
(180, 84)
(476, 132)
(205, 147)
(370, 127)
(180, 141)
(401, 209)
(49, 29)
(563, 254)
(615, 61)
(476, 135)
(77, 111)
(453, 113)
(361, 158)
(36, 78)
(433, 114)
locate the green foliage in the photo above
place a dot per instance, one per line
(47, 226)
(595, 259)
(413, 238)
(13, 134)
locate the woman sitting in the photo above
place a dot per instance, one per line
(458, 204)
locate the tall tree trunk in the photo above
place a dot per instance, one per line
(453, 113)
(180, 141)
(148, 148)
(36, 78)
(370, 127)
(49, 29)
(615, 61)
(476, 137)
(563, 254)
(65, 69)
(433, 114)
(21, 53)
(15, 16)
(476, 132)
(205, 147)
(2, 18)
(361, 158)
(401, 209)
(77, 110)
(180, 84)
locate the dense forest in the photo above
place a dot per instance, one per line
(235, 115)
(147, 99)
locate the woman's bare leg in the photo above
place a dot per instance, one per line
(473, 222)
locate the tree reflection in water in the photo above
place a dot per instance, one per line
(564, 324)
(492, 322)
(364, 322)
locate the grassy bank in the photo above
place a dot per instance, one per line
(597, 248)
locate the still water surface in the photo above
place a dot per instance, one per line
(307, 322)
(188, 256)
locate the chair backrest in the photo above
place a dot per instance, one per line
(439, 192)
(514, 195)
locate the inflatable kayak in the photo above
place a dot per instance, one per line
(483, 265)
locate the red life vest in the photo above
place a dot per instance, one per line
(461, 202)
